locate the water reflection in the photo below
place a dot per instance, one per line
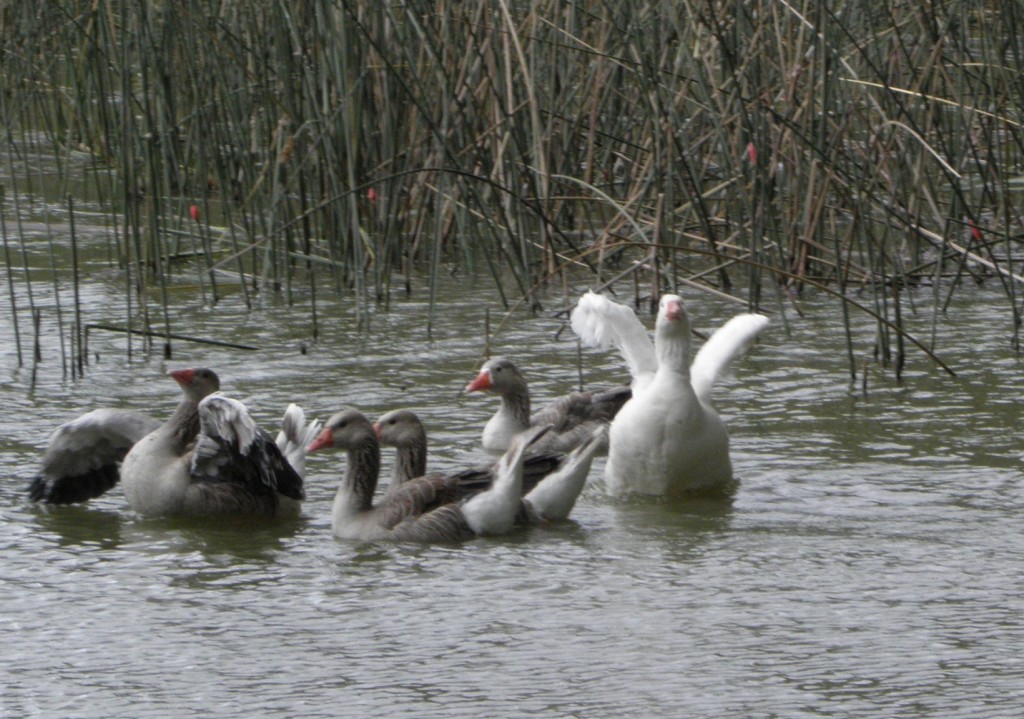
(241, 538)
(79, 525)
(868, 558)
(236, 538)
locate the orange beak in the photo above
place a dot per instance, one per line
(183, 376)
(482, 382)
(324, 439)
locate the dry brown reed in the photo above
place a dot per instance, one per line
(760, 148)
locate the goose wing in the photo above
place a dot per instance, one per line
(601, 323)
(232, 450)
(572, 410)
(295, 436)
(415, 498)
(727, 343)
(447, 523)
(554, 497)
(81, 458)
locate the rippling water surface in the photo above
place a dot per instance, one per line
(870, 564)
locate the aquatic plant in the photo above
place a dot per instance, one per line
(774, 152)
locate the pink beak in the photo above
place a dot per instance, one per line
(674, 310)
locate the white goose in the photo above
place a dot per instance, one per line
(423, 509)
(667, 440)
(552, 482)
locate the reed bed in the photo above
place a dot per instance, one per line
(772, 151)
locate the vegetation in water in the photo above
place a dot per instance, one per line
(773, 151)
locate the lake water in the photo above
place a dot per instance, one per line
(870, 564)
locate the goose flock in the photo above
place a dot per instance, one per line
(660, 432)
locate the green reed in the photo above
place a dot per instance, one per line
(766, 150)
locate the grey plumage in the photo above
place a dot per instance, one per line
(423, 509)
(82, 456)
(572, 417)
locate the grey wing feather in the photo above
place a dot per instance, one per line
(535, 467)
(81, 458)
(444, 524)
(575, 416)
(417, 497)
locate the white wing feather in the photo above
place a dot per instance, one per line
(295, 436)
(228, 419)
(554, 496)
(493, 511)
(601, 323)
(727, 343)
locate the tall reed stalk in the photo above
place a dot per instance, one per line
(759, 148)
(10, 279)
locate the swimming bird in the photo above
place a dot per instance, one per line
(572, 417)
(667, 440)
(82, 458)
(551, 482)
(209, 458)
(422, 509)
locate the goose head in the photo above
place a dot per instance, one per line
(196, 383)
(346, 429)
(498, 375)
(672, 316)
(400, 428)
(672, 334)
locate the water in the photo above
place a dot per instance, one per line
(870, 564)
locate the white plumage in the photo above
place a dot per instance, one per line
(227, 419)
(493, 511)
(295, 436)
(603, 324)
(555, 496)
(668, 439)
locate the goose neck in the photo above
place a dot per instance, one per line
(673, 351)
(516, 404)
(360, 480)
(410, 461)
(183, 425)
